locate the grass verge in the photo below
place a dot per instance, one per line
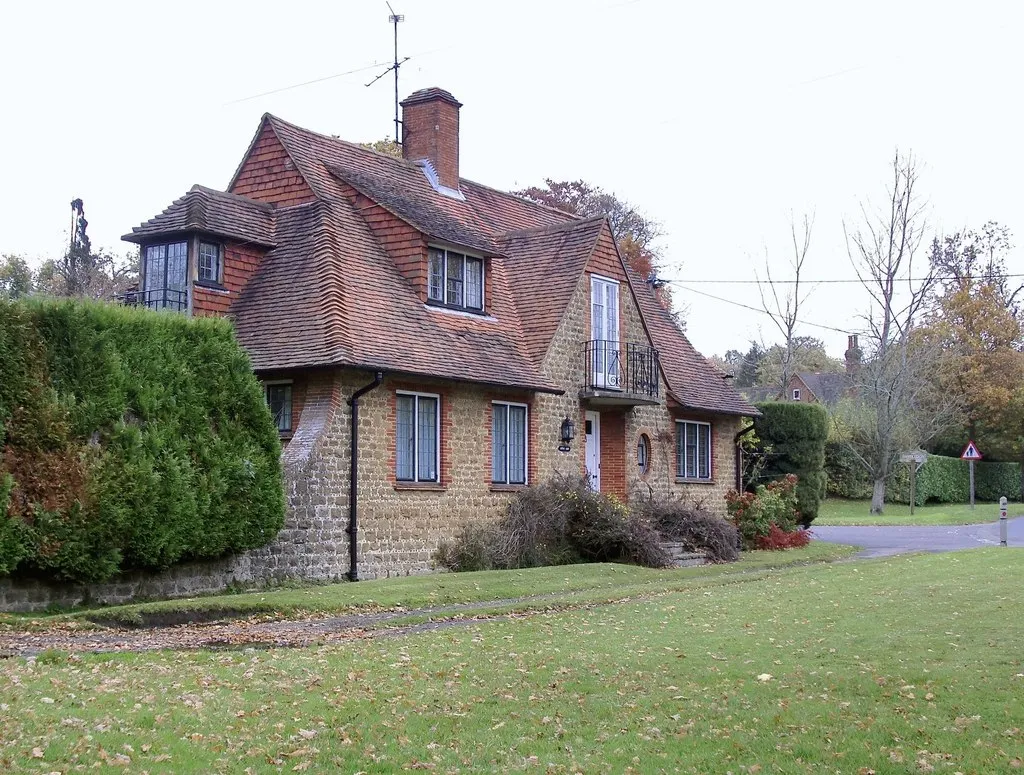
(908, 664)
(535, 587)
(836, 511)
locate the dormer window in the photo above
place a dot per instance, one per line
(455, 280)
(210, 262)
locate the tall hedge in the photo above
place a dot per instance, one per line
(941, 479)
(131, 440)
(793, 435)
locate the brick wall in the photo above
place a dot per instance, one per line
(430, 130)
(240, 263)
(268, 174)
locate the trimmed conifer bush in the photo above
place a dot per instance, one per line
(793, 435)
(131, 440)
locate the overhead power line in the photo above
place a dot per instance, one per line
(763, 312)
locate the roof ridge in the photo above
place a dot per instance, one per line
(199, 188)
(556, 227)
(342, 141)
(509, 194)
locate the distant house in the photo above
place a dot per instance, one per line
(429, 346)
(825, 388)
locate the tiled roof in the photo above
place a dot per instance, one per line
(693, 381)
(213, 212)
(827, 387)
(545, 266)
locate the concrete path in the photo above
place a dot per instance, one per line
(883, 541)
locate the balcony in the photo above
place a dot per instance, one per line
(620, 374)
(156, 298)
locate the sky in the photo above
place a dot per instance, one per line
(722, 121)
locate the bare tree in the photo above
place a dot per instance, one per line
(894, 384)
(784, 308)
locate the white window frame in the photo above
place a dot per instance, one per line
(643, 466)
(796, 394)
(218, 267)
(681, 451)
(291, 400)
(467, 257)
(416, 478)
(526, 443)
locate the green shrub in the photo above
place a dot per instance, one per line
(795, 433)
(845, 475)
(134, 439)
(772, 505)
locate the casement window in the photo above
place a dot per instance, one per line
(693, 450)
(279, 399)
(210, 262)
(455, 280)
(796, 394)
(508, 443)
(165, 275)
(417, 437)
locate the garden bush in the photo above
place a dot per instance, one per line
(131, 440)
(772, 505)
(558, 522)
(795, 433)
(780, 540)
(693, 527)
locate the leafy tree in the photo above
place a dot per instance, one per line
(387, 146)
(804, 353)
(968, 256)
(15, 277)
(635, 232)
(745, 365)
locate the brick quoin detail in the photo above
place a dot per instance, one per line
(268, 174)
(613, 454)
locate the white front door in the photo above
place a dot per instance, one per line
(604, 330)
(593, 451)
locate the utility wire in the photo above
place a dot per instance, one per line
(815, 282)
(761, 311)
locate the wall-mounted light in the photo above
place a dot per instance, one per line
(568, 431)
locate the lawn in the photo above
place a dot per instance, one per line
(836, 511)
(525, 589)
(908, 664)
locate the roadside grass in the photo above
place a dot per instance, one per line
(906, 664)
(530, 588)
(837, 511)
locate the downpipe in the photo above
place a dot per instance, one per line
(353, 481)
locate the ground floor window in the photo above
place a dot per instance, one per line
(508, 443)
(417, 437)
(279, 399)
(643, 453)
(693, 450)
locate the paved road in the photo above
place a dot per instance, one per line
(882, 541)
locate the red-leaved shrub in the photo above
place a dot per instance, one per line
(778, 539)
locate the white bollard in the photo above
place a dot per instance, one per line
(1002, 521)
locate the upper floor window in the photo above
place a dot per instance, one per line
(209, 262)
(279, 399)
(455, 279)
(796, 394)
(165, 276)
(693, 450)
(417, 437)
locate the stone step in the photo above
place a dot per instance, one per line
(682, 557)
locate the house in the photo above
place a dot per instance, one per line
(826, 388)
(430, 345)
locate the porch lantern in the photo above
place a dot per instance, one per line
(568, 431)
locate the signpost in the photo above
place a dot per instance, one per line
(1002, 521)
(970, 454)
(916, 458)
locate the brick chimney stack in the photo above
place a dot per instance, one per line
(430, 130)
(853, 355)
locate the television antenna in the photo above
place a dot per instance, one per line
(394, 19)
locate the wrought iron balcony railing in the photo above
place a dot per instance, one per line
(156, 298)
(621, 366)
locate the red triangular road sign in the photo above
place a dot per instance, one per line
(970, 452)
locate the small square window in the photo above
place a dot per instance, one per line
(209, 262)
(796, 394)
